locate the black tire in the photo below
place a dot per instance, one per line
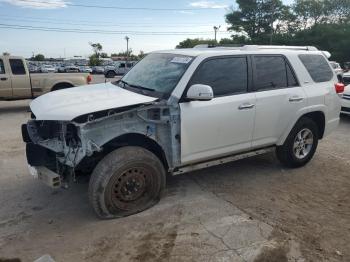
(110, 74)
(125, 182)
(289, 154)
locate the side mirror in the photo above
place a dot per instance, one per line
(200, 92)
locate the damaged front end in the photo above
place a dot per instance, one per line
(53, 149)
(58, 150)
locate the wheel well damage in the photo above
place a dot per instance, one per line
(131, 139)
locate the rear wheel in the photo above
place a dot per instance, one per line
(110, 74)
(127, 181)
(300, 145)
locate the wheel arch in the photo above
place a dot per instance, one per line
(130, 139)
(317, 116)
(61, 85)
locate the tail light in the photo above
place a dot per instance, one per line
(89, 79)
(339, 88)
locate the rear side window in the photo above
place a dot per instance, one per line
(270, 72)
(317, 67)
(2, 67)
(17, 67)
(226, 76)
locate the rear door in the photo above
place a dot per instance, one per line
(5, 81)
(225, 124)
(279, 97)
(21, 86)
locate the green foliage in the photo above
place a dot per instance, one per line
(97, 48)
(322, 23)
(39, 57)
(190, 43)
(141, 55)
(259, 19)
(94, 60)
(131, 55)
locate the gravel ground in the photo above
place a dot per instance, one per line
(250, 210)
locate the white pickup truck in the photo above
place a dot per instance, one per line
(17, 83)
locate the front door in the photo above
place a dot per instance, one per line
(5, 81)
(224, 125)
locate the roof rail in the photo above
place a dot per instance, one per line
(257, 47)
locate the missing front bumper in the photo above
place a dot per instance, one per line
(45, 175)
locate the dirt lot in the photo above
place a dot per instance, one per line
(250, 210)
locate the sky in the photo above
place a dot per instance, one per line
(64, 28)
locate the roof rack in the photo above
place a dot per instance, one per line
(257, 47)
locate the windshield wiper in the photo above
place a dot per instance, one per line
(137, 86)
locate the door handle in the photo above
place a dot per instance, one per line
(246, 106)
(296, 99)
(3, 78)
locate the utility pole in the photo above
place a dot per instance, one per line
(127, 47)
(216, 29)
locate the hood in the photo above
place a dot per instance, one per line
(67, 104)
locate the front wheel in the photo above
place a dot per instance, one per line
(125, 182)
(300, 145)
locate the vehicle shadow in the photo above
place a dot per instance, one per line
(344, 118)
(14, 106)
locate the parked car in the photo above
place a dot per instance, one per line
(61, 69)
(71, 69)
(337, 68)
(181, 110)
(16, 82)
(47, 69)
(98, 70)
(85, 69)
(345, 109)
(33, 69)
(119, 69)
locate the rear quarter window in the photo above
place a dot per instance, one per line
(318, 67)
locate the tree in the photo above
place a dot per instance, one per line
(141, 54)
(97, 48)
(259, 19)
(104, 55)
(94, 59)
(190, 43)
(39, 57)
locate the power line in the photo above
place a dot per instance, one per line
(107, 32)
(99, 25)
(103, 22)
(121, 7)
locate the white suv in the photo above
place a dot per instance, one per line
(178, 111)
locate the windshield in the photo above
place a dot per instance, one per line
(156, 75)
